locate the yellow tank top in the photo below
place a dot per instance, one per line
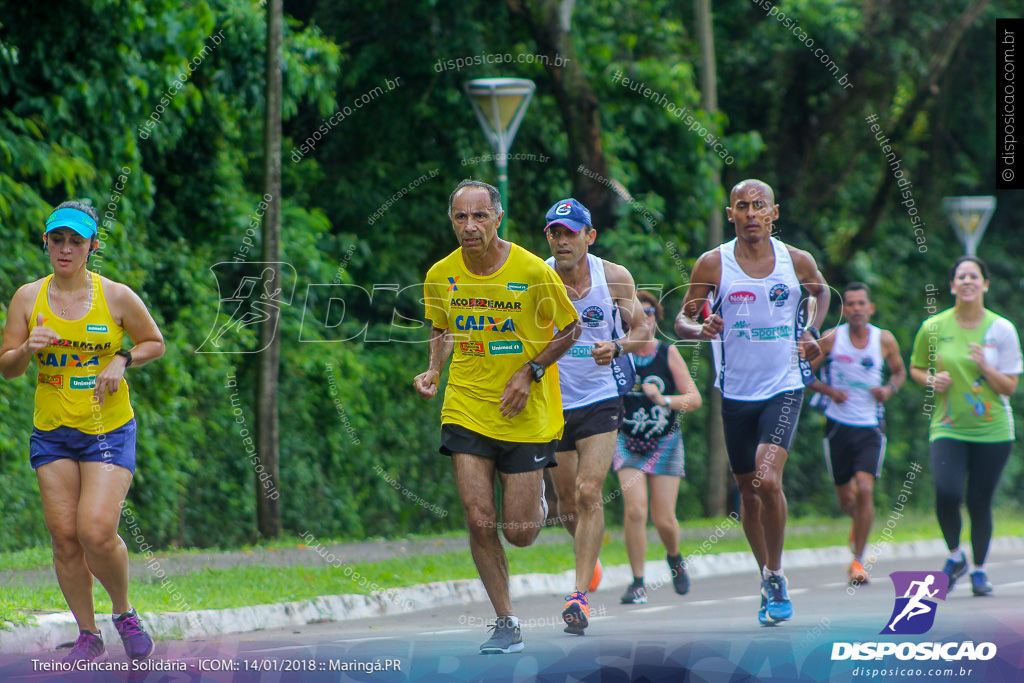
(68, 367)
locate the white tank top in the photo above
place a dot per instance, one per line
(855, 371)
(756, 355)
(583, 381)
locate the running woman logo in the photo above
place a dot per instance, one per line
(914, 612)
(254, 300)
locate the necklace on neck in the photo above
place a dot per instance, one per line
(71, 295)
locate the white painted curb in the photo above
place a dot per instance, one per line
(50, 630)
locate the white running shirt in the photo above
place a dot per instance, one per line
(756, 355)
(582, 381)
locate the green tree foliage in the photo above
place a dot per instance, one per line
(378, 131)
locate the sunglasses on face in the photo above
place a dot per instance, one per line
(650, 310)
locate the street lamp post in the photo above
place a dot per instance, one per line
(500, 104)
(970, 217)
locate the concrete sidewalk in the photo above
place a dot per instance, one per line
(53, 629)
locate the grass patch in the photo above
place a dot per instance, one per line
(258, 584)
(39, 557)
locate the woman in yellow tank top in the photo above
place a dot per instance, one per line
(83, 442)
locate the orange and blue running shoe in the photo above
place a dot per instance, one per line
(576, 613)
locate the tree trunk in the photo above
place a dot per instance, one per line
(549, 23)
(716, 500)
(268, 512)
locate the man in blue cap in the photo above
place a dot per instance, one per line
(604, 296)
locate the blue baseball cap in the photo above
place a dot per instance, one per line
(569, 213)
(76, 219)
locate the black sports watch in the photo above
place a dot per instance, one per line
(618, 348)
(813, 331)
(536, 369)
(127, 355)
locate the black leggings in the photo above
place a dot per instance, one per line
(980, 464)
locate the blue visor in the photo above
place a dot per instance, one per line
(76, 219)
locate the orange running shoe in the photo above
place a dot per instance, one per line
(858, 575)
(576, 613)
(595, 580)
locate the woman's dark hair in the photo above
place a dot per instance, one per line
(965, 259)
(81, 206)
(648, 299)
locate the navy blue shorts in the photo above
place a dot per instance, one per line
(116, 447)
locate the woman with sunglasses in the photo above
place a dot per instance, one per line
(83, 442)
(649, 453)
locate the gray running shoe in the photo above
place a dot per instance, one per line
(634, 595)
(505, 639)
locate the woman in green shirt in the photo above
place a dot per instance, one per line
(968, 359)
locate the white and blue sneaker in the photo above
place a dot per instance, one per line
(762, 614)
(778, 607)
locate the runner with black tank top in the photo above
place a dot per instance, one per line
(753, 284)
(852, 358)
(649, 454)
(604, 296)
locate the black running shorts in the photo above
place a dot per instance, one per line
(850, 449)
(509, 457)
(748, 424)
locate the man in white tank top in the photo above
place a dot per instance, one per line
(604, 296)
(854, 439)
(750, 292)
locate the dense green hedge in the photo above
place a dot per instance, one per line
(358, 447)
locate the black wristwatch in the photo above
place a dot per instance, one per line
(126, 354)
(813, 331)
(536, 369)
(618, 348)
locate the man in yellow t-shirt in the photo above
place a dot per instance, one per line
(494, 307)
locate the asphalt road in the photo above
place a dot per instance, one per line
(710, 635)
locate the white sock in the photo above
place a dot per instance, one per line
(957, 555)
(513, 620)
(768, 572)
(978, 568)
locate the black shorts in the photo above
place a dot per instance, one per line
(510, 457)
(850, 449)
(748, 424)
(597, 418)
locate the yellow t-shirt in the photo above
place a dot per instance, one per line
(498, 323)
(68, 368)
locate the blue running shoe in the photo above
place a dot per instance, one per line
(979, 583)
(779, 607)
(954, 569)
(762, 614)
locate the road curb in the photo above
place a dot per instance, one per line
(50, 630)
